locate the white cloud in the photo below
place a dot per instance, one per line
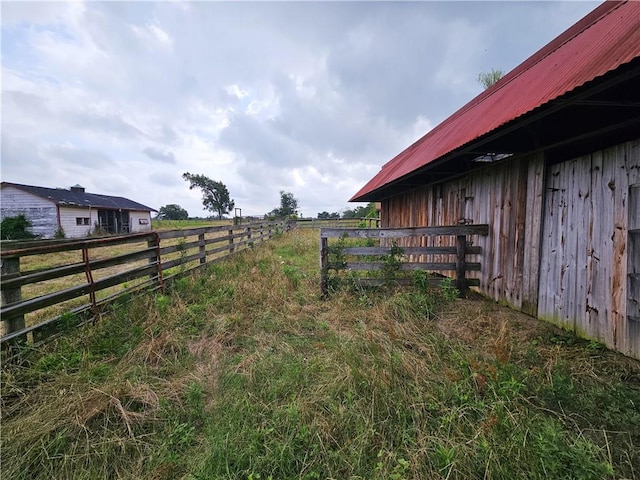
(305, 97)
(236, 91)
(153, 36)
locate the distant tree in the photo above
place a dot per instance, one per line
(328, 215)
(487, 79)
(368, 211)
(288, 205)
(15, 228)
(215, 195)
(172, 212)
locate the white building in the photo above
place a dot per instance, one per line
(73, 211)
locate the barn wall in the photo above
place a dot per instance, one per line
(68, 217)
(503, 196)
(563, 243)
(584, 266)
(41, 212)
(136, 217)
(633, 265)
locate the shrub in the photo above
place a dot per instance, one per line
(15, 228)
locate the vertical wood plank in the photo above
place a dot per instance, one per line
(599, 294)
(533, 234)
(11, 266)
(495, 285)
(461, 252)
(201, 249)
(581, 221)
(232, 248)
(569, 255)
(324, 264)
(631, 337)
(561, 247)
(619, 239)
(550, 244)
(155, 260)
(507, 227)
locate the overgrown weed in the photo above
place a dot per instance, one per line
(242, 372)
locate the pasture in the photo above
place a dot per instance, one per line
(242, 371)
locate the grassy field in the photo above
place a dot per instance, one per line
(243, 372)
(181, 224)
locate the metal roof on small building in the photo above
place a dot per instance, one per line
(601, 42)
(78, 198)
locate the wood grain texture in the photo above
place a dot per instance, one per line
(496, 195)
(587, 247)
(632, 322)
(532, 234)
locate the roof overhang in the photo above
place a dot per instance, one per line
(576, 94)
(601, 113)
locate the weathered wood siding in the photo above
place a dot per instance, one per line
(41, 212)
(584, 283)
(136, 225)
(633, 265)
(504, 196)
(564, 240)
(68, 221)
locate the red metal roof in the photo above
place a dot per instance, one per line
(603, 40)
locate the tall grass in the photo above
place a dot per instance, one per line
(242, 372)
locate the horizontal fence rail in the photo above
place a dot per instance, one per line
(36, 275)
(387, 258)
(357, 222)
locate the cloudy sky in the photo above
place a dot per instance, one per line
(310, 98)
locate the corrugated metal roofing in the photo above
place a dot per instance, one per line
(602, 41)
(61, 196)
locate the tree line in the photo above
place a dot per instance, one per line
(217, 200)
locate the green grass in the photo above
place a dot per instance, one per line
(242, 372)
(182, 224)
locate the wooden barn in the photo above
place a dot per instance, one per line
(75, 211)
(549, 158)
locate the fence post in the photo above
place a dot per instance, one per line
(324, 265)
(461, 252)
(155, 260)
(11, 268)
(231, 248)
(201, 249)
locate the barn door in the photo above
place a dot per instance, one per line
(633, 259)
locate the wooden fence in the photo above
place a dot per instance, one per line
(149, 259)
(387, 257)
(358, 222)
